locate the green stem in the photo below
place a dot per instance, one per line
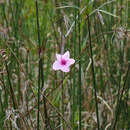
(79, 74)
(11, 88)
(93, 74)
(62, 100)
(74, 75)
(39, 79)
(120, 99)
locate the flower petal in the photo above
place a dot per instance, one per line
(56, 65)
(65, 69)
(70, 62)
(66, 55)
(58, 57)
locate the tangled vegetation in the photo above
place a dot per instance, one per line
(93, 93)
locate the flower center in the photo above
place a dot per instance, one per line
(63, 62)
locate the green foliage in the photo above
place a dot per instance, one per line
(64, 24)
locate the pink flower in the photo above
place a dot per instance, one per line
(63, 62)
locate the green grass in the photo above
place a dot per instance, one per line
(94, 94)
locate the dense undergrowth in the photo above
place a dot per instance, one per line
(94, 94)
